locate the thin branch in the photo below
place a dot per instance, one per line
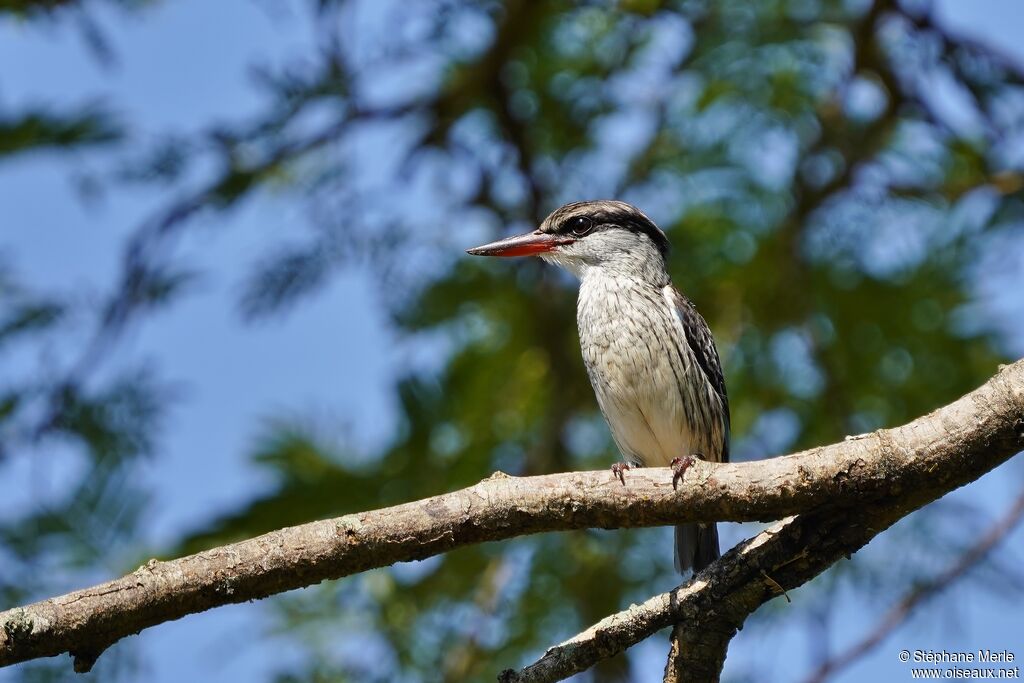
(710, 608)
(896, 616)
(898, 469)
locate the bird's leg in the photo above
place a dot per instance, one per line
(679, 467)
(618, 470)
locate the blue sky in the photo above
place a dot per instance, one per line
(178, 69)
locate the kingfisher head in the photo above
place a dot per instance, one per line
(605, 234)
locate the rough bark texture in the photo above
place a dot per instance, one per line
(922, 592)
(709, 609)
(977, 432)
(855, 489)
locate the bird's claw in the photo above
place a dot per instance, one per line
(618, 470)
(679, 467)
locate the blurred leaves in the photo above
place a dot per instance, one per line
(42, 129)
(280, 280)
(37, 9)
(29, 317)
(312, 482)
(120, 421)
(828, 247)
(29, 7)
(828, 215)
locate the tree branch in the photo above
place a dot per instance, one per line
(896, 616)
(720, 597)
(889, 472)
(709, 609)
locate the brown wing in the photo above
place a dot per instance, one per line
(702, 344)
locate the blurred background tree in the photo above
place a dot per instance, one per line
(841, 181)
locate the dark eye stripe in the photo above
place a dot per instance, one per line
(602, 215)
(639, 223)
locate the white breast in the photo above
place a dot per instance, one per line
(642, 370)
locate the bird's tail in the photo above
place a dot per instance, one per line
(696, 546)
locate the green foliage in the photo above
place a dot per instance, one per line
(38, 9)
(41, 129)
(29, 317)
(824, 218)
(282, 279)
(313, 482)
(834, 292)
(29, 7)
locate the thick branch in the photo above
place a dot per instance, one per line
(708, 610)
(900, 469)
(900, 612)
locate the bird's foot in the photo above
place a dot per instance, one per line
(679, 467)
(619, 469)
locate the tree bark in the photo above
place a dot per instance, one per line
(708, 610)
(881, 476)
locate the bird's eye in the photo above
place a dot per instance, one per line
(580, 225)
